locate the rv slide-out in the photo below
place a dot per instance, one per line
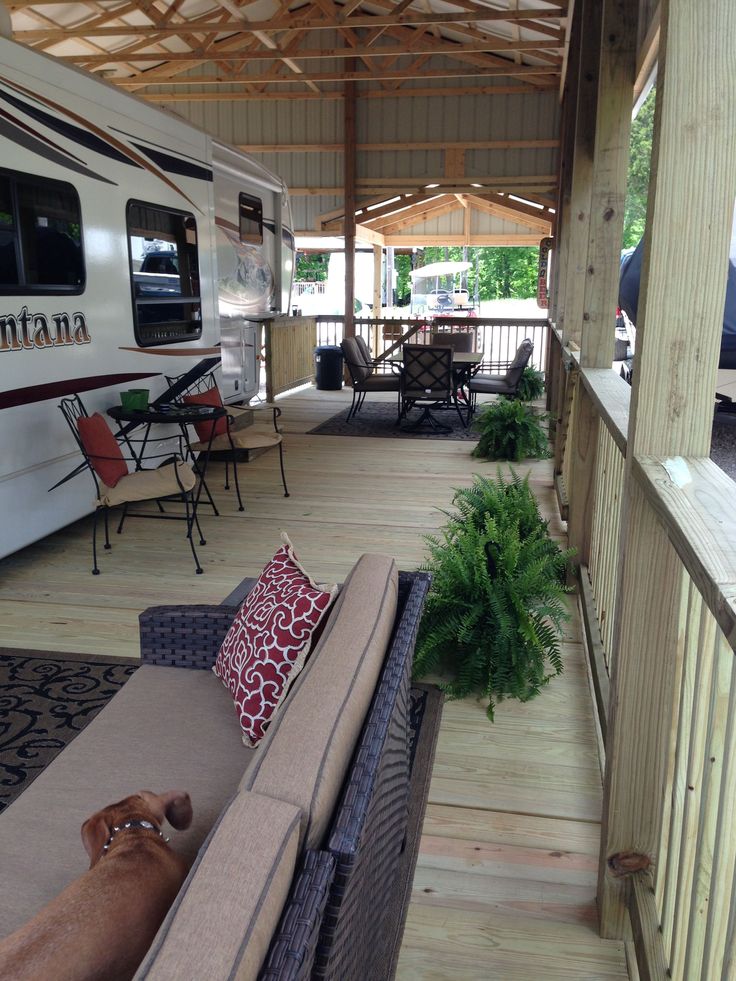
(132, 246)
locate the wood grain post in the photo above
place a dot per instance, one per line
(349, 220)
(691, 198)
(377, 312)
(616, 74)
(582, 172)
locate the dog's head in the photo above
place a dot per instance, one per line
(175, 806)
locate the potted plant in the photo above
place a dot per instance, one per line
(495, 609)
(510, 430)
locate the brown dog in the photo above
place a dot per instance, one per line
(102, 924)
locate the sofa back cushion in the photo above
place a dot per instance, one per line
(308, 747)
(221, 923)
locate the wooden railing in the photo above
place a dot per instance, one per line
(669, 846)
(496, 338)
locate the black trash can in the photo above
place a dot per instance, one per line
(328, 366)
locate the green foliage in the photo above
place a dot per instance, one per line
(495, 609)
(311, 267)
(501, 273)
(637, 182)
(510, 430)
(531, 386)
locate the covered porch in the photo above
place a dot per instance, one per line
(506, 879)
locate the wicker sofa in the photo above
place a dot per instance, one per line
(293, 844)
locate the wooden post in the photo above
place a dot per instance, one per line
(616, 74)
(377, 312)
(349, 222)
(582, 172)
(681, 301)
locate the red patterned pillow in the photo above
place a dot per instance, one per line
(268, 642)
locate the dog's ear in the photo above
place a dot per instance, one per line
(95, 832)
(177, 807)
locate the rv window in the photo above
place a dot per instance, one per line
(40, 236)
(164, 271)
(251, 220)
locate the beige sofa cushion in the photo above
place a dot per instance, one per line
(221, 923)
(307, 749)
(167, 728)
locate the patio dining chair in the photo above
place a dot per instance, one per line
(427, 382)
(367, 375)
(461, 341)
(172, 480)
(484, 383)
(232, 434)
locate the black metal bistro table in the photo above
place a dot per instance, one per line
(171, 413)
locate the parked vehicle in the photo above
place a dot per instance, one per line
(94, 186)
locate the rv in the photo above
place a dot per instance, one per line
(132, 246)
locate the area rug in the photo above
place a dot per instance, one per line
(379, 419)
(46, 699)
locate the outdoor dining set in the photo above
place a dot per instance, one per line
(446, 374)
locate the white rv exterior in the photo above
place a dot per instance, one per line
(89, 179)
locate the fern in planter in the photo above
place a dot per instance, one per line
(510, 430)
(531, 386)
(495, 609)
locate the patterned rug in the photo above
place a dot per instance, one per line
(379, 419)
(46, 699)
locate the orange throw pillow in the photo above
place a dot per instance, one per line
(102, 449)
(204, 429)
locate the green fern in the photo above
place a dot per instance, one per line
(510, 430)
(496, 607)
(531, 386)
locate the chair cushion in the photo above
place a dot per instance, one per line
(380, 383)
(147, 485)
(268, 642)
(210, 397)
(305, 755)
(490, 385)
(222, 921)
(355, 361)
(242, 439)
(102, 448)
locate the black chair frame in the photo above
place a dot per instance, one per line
(429, 368)
(73, 409)
(204, 384)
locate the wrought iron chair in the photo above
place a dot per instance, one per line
(427, 382)
(232, 434)
(367, 375)
(483, 383)
(116, 486)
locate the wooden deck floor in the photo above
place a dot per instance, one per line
(505, 883)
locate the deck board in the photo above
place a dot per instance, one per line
(506, 876)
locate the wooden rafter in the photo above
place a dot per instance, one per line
(412, 145)
(277, 24)
(540, 224)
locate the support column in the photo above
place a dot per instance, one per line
(582, 172)
(377, 311)
(616, 74)
(681, 301)
(349, 223)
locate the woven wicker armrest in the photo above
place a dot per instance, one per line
(184, 636)
(291, 953)
(368, 828)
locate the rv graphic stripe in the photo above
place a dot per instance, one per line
(74, 133)
(111, 141)
(175, 165)
(69, 386)
(12, 130)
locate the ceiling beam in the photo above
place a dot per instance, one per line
(323, 23)
(472, 240)
(413, 145)
(540, 224)
(243, 95)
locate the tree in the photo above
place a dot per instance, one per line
(637, 182)
(311, 267)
